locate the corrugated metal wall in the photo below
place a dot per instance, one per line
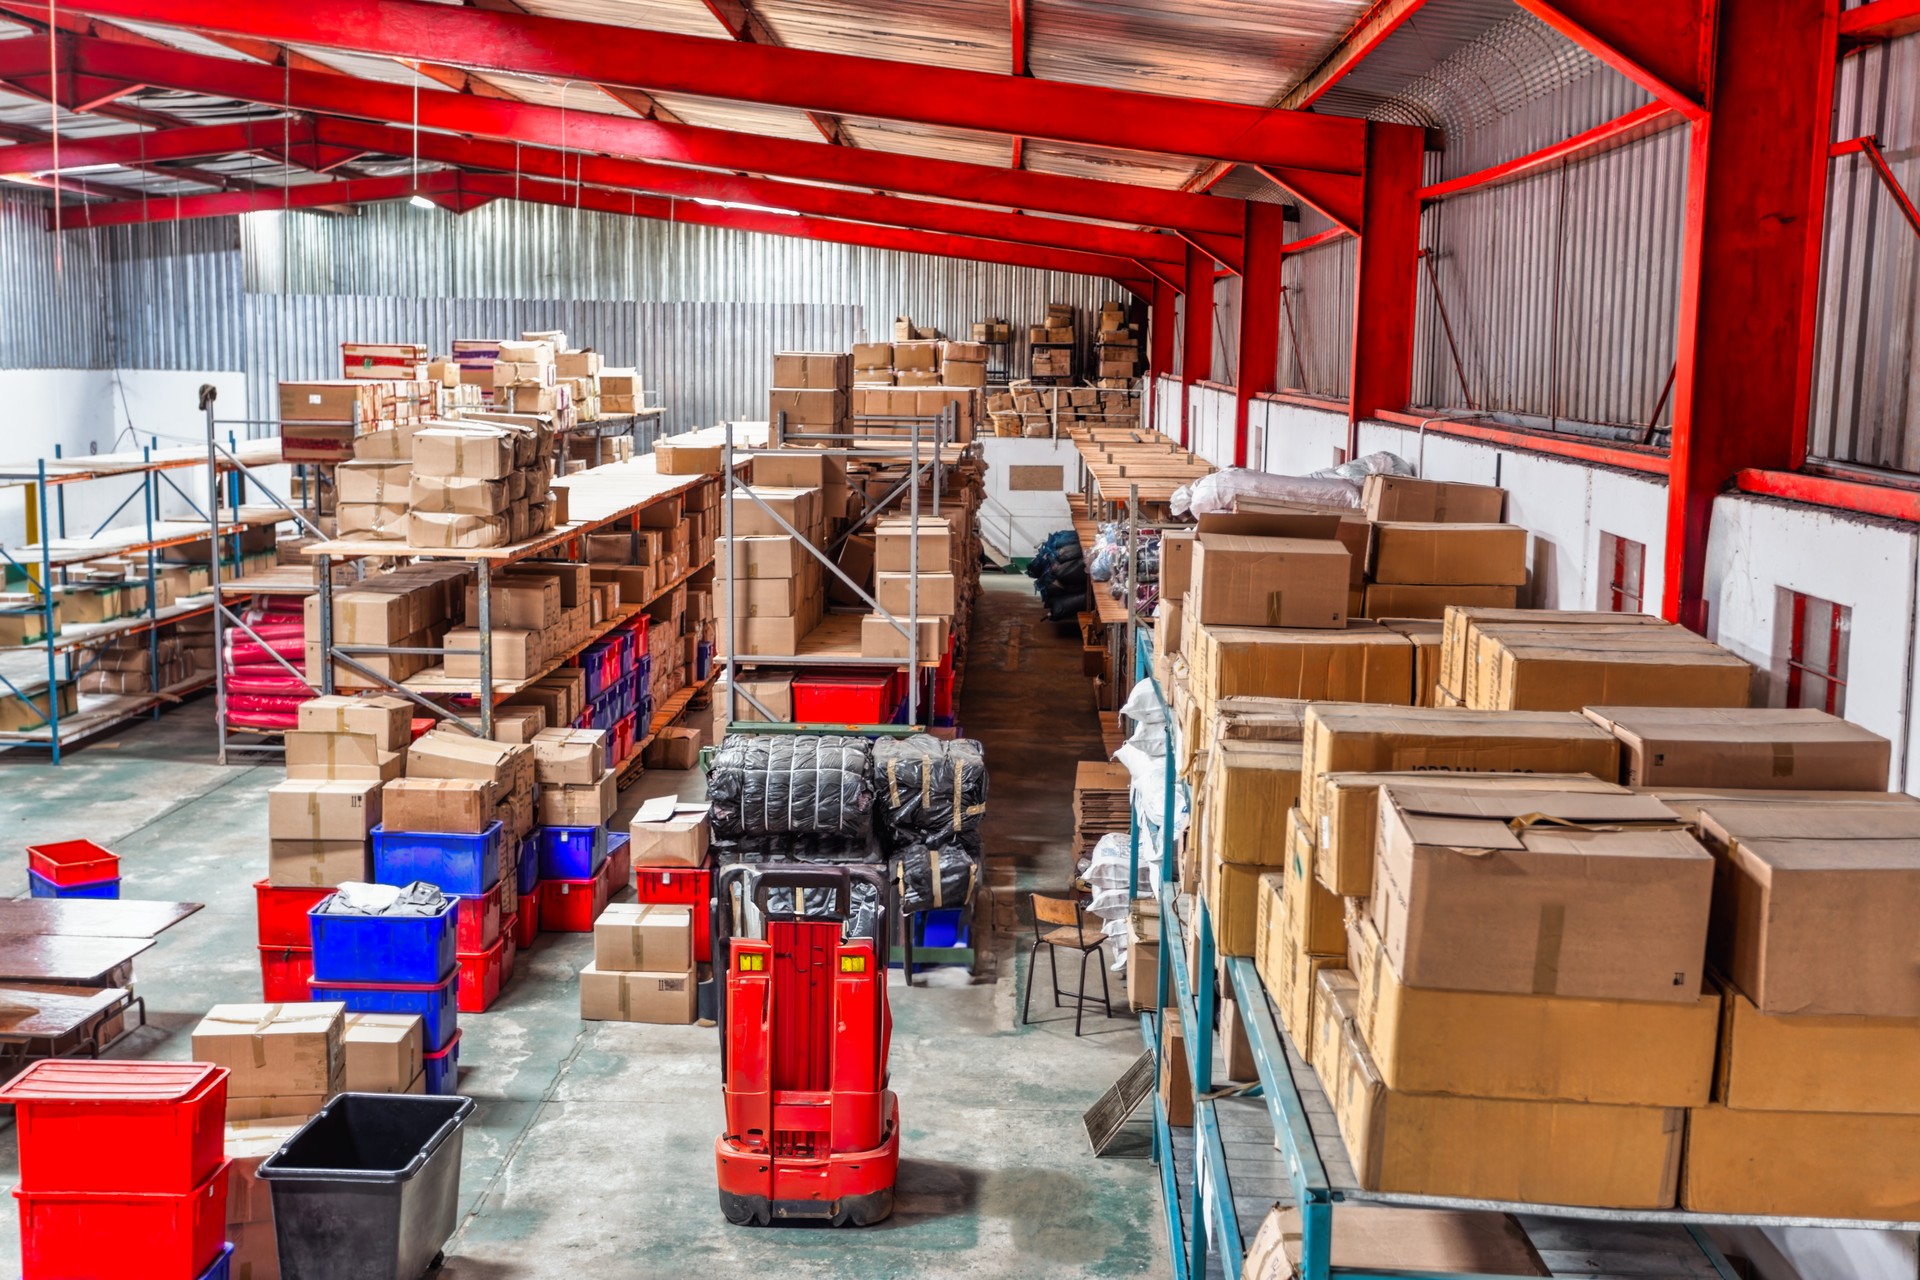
(50, 291)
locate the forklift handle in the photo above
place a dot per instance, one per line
(800, 879)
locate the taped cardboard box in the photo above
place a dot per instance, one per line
(1252, 786)
(442, 532)
(367, 522)
(1268, 582)
(894, 541)
(318, 864)
(1559, 1048)
(1603, 896)
(1288, 969)
(1233, 902)
(1499, 1149)
(472, 452)
(1813, 1164)
(1461, 622)
(387, 718)
(323, 809)
(455, 805)
(773, 692)
(682, 457)
(880, 638)
(569, 757)
(939, 593)
(591, 805)
(1373, 1238)
(517, 654)
(1410, 499)
(670, 833)
(619, 996)
(459, 495)
(347, 757)
(274, 1050)
(1143, 955)
(1463, 554)
(381, 1051)
(1814, 905)
(1359, 662)
(1418, 600)
(643, 937)
(1554, 675)
(447, 753)
(1816, 1062)
(1797, 749)
(376, 482)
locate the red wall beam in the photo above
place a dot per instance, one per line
(1196, 331)
(1386, 277)
(1665, 47)
(1750, 270)
(1259, 343)
(1880, 20)
(1638, 123)
(1870, 499)
(512, 120)
(136, 149)
(843, 84)
(1163, 331)
(226, 203)
(670, 180)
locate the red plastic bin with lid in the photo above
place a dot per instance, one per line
(285, 973)
(571, 906)
(70, 862)
(164, 1124)
(282, 910)
(479, 984)
(78, 1235)
(844, 699)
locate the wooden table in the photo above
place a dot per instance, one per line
(68, 961)
(50, 1021)
(90, 917)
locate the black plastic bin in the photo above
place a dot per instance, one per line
(369, 1189)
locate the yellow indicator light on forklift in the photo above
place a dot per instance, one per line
(753, 962)
(853, 964)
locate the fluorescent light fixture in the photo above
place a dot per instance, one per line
(747, 208)
(421, 202)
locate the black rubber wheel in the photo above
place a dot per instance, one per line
(439, 1261)
(745, 1211)
(864, 1211)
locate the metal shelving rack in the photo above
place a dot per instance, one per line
(1053, 379)
(999, 367)
(55, 553)
(1313, 1159)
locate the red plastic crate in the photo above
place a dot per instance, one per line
(509, 959)
(285, 973)
(479, 984)
(163, 1121)
(865, 699)
(282, 909)
(84, 1235)
(476, 922)
(571, 906)
(688, 886)
(73, 862)
(526, 922)
(618, 868)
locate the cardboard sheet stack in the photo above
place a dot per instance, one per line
(810, 394)
(643, 965)
(1100, 805)
(1495, 659)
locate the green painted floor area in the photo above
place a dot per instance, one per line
(591, 1152)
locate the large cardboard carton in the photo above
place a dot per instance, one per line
(1409, 499)
(1176, 563)
(382, 1051)
(1564, 669)
(880, 638)
(1497, 1148)
(894, 539)
(1370, 1238)
(356, 757)
(1419, 600)
(1361, 662)
(249, 1199)
(1794, 749)
(323, 809)
(443, 532)
(641, 937)
(1233, 902)
(274, 1050)
(777, 556)
(1425, 636)
(1269, 582)
(1462, 622)
(1815, 1062)
(670, 833)
(1252, 786)
(1589, 895)
(387, 718)
(1317, 916)
(1816, 1164)
(591, 805)
(473, 452)
(317, 864)
(1564, 1048)
(682, 457)
(1464, 554)
(517, 655)
(1143, 954)
(569, 757)
(1176, 1082)
(1815, 904)
(621, 996)
(939, 593)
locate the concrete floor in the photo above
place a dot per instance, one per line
(591, 1152)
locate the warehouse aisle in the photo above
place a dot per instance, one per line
(591, 1152)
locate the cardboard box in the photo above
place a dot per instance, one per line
(813, 369)
(673, 457)
(759, 597)
(1269, 582)
(458, 495)
(1606, 897)
(1814, 906)
(443, 532)
(274, 1050)
(1465, 554)
(1176, 1082)
(675, 747)
(1360, 662)
(458, 805)
(773, 692)
(776, 556)
(1408, 499)
(591, 805)
(247, 1143)
(872, 355)
(642, 937)
(1143, 955)
(323, 809)
(340, 757)
(1411, 600)
(1762, 747)
(807, 409)
(316, 864)
(1425, 637)
(517, 655)
(472, 452)
(569, 757)
(1369, 1238)
(894, 540)
(670, 833)
(1628, 666)
(346, 402)
(1251, 787)
(1233, 901)
(382, 1051)
(380, 483)
(387, 718)
(1814, 1062)
(1499, 1149)
(798, 469)
(1557, 1048)
(453, 754)
(880, 638)
(1176, 563)
(367, 522)
(938, 593)
(1316, 917)
(637, 997)
(1814, 1164)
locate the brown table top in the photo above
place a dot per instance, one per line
(30, 1011)
(47, 958)
(91, 917)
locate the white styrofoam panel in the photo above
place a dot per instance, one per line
(1761, 550)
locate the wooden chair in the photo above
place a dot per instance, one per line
(1059, 922)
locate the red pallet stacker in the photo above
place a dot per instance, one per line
(812, 1130)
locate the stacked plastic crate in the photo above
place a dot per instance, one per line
(400, 963)
(617, 671)
(578, 796)
(122, 1169)
(72, 869)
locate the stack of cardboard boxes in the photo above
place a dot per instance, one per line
(810, 394)
(1517, 659)
(916, 364)
(408, 608)
(991, 332)
(1435, 544)
(963, 364)
(322, 422)
(873, 364)
(479, 486)
(526, 378)
(643, 965)
(776, 585)
(1116, 348)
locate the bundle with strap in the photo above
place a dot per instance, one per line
(768, 784)
(802, 846)
(928, 788)
(938, 874)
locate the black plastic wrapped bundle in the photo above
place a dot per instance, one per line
(772, 784)
(804, 846)
(929, 787)
(931, 875)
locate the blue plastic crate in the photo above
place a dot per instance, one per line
(351, 948)
(442, 1069)
(703, 660)
(456, 863)
(222, 1268)
(527, 874)
(571, 853)
(44, 888)
(435, 1005)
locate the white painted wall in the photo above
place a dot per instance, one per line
(1016, 521)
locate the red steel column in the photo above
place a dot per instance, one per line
(1259, 344)
(1386, 277)
(1196, 336)
(1161, 335)
(1750, 270)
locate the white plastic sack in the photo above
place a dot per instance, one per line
(1330, 487)
(1142, 706)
